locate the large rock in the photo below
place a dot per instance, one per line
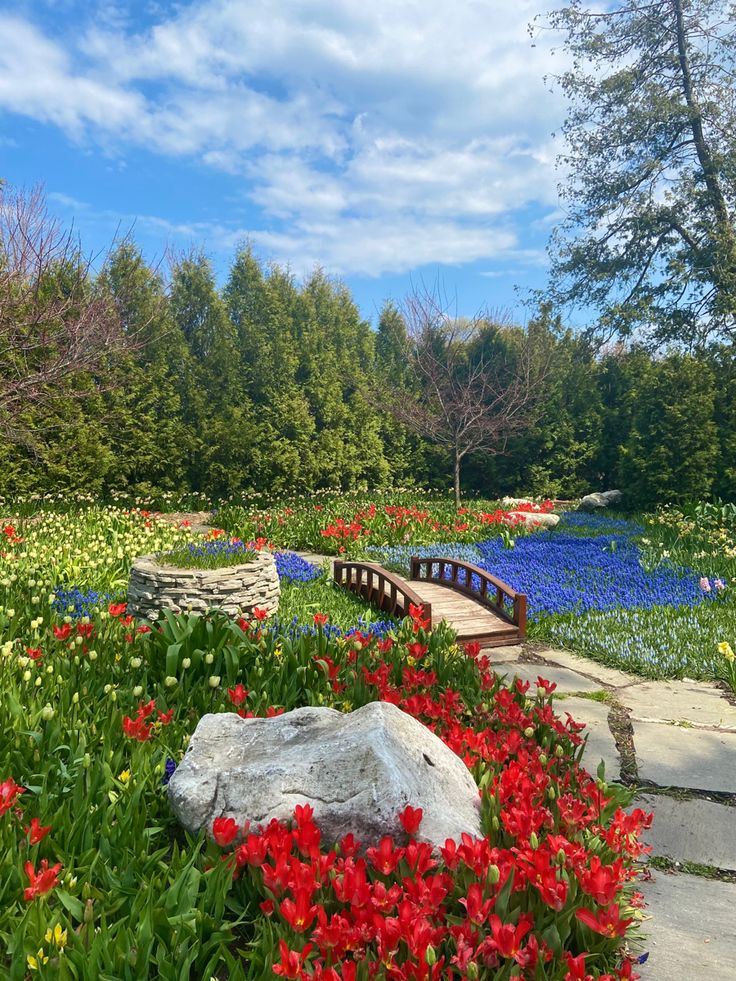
(537, 519)
(357, 770)
(604, 499)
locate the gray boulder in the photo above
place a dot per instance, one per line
(592, 502)
(357, 770)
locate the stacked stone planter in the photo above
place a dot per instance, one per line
(235, 589)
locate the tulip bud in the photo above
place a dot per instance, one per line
(471, 970)
(47, 713)
(431, 956)
(529, 732)
(533, 840)
(494, 874)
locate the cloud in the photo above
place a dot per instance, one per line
(372, 137)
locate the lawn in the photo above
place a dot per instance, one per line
(98, 880)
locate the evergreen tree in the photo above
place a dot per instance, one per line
(672, 449)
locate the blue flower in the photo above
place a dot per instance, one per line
(169, 772)
(294, 568)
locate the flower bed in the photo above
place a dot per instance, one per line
(99, 881)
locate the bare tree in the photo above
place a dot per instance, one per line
(56, 322)
(471, 393)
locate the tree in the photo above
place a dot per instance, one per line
(650, 196)
(56, 323)
(476, 383)
(671, 452)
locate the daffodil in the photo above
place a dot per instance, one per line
(727, 651)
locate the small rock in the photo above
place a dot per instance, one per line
(357, 770)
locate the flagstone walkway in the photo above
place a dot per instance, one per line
(676, 742)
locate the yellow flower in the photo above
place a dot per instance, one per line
(35, 963)
(57, 935)
(727, 651)
(124, 777)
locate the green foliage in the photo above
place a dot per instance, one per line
(672, 449)
(273, 387)
(648, 238)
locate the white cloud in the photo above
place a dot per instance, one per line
(371, 137)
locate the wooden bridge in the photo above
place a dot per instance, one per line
(476, 604)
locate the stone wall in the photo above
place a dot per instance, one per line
(235, 589)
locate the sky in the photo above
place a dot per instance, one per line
(397, 144)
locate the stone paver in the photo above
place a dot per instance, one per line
(601, 744)
(693, 701)
(675, 756)
(609, 677)
(503, 655)
(691, 935)
(695, 830)
(567, 681)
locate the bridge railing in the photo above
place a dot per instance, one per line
(377, 585)
(471, 580)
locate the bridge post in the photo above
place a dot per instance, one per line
(414, 566)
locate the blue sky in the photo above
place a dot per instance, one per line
(390, 142)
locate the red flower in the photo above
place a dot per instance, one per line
(36, 833)
(238, 694)
(576, 968)
(224, 830)
(608, 922)
(61, 633)
(42, 881)
(291, 962)
(300, 912)
(321, 619)
(259, 613)
(143, 629)
(136, 729)
(165, 717)
(417, 650)
(417, 613)
(35, 653)
(243, 624)
(85, 629)
(9, 792)
(472, 649)
(384, 646)
(507, 937)
(602, 882)
(477, 909)
(386, 856)
(411, 818)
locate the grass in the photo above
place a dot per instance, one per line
(217, 554)
(300, 602)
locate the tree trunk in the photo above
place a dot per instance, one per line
(458, 457)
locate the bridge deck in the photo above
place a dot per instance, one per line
(471, 620)
(467, 604)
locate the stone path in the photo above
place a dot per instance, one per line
(676, 741)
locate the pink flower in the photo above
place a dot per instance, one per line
(705, 584)
(720, 585)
